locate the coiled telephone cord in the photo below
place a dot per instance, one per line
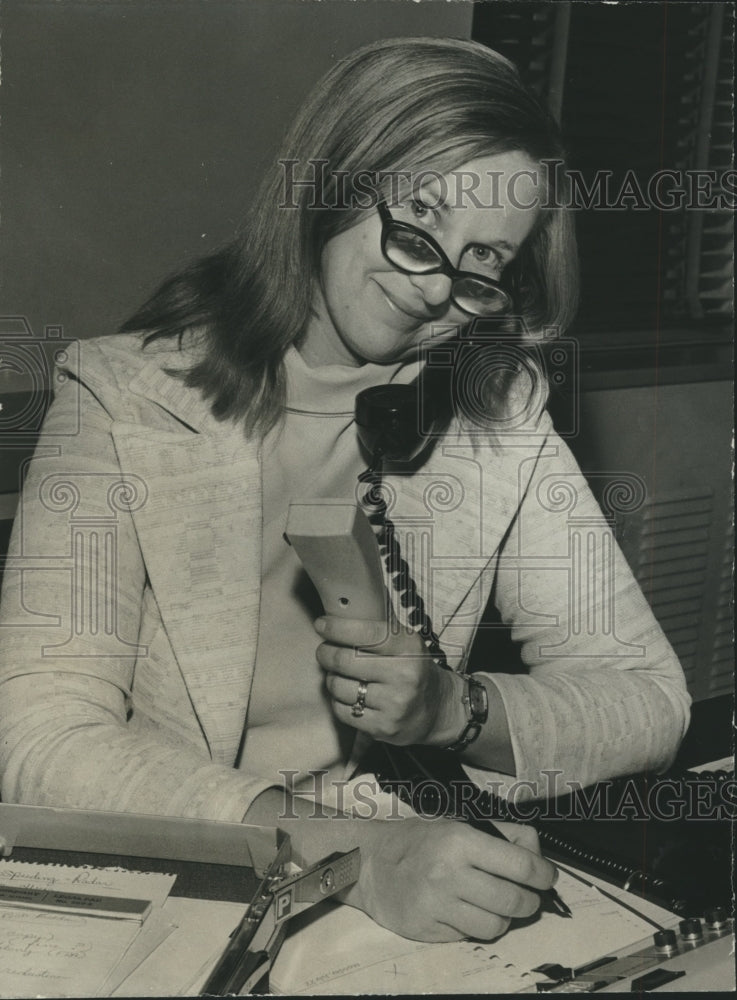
(398, 571)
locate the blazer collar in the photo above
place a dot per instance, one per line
(155, 381)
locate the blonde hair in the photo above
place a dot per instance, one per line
(401, 104)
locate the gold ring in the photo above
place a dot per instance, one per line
(359, 705)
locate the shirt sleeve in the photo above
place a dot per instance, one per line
(69, 733)
(603, 694)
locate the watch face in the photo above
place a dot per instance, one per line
(479, 701)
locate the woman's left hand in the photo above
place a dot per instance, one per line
(409, 698)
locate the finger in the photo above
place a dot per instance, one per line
(373, 721)
(521, 834)
(509, 861)
(471, 921)
(352, 631)
(346, 691)
(368, 721)
(353, 664)
(497, 895)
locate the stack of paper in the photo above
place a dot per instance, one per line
(76, 932)
(181, 964)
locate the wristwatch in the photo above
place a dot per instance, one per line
(476, 703)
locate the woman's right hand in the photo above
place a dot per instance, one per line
(426, 879)
(441, 880)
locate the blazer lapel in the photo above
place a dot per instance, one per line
(451, 517)
(199, 528)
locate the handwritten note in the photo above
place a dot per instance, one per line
(101, 881)
(61, 954)
(58, 954)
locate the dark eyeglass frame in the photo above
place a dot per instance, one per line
(390, 224)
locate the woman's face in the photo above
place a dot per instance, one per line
(367, 311)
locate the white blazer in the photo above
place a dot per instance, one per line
(129, 619)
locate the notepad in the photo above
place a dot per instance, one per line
(182, 963)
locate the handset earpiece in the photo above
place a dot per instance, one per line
(390, 422)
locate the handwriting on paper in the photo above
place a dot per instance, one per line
(59, 954)
(47, 878)
(104, 881)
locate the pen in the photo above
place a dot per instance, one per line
(550, 899)
(616, 899)
(475, 808)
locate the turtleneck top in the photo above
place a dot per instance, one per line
(313, 453)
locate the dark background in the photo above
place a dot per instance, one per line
(134, 133)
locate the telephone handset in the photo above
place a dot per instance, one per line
(341, 546)
(334, 538)
(337, 547)
(388, 422)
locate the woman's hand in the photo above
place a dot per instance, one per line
(409, 698)
(441, 880)
(426, 879)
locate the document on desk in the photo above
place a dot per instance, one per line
(111, 882)
(67, 950)
(180, 966)
(336, 949)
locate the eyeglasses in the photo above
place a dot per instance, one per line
(413, 251)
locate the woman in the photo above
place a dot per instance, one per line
(191, 672)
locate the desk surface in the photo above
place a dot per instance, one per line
(343, 934)
(335, 951)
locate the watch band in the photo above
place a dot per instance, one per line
(476, 703)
